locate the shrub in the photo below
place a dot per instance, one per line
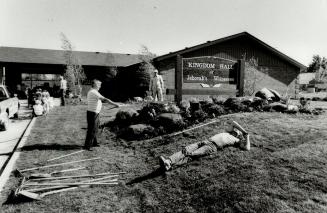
(218, 100)
(316, 99)
(138, 132)
(198, 116)
(258, 104)
(194, 105)
(171, 121)
(235, 105)
(125, 117)
(184, 105)
(172, 108)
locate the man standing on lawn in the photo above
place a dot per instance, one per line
(63, 88)
(94, 105)
(156, 86)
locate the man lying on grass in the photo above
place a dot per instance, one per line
(235, 135)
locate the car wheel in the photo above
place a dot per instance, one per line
(16, 114)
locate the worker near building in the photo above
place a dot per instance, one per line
(156, 86)
(235, 135)
(63, 88)
(94, 105)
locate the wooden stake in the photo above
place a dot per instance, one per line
(68, 184)
(58, 187)
(75, 176)
(56, 158)
(59, 164)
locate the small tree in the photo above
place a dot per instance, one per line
(252, 77)
(143, 74)
(318, 66)
(74, 72)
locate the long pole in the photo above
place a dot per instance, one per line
(65, 155)
(59, 164)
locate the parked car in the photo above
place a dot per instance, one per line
(9, 106)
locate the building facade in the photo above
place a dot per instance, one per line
(42, 67)
(273, 69)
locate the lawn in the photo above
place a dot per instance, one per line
(285, 171)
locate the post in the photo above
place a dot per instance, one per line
(178, 78)
(241, 68)
(3, 77)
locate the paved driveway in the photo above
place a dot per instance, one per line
(9, 138)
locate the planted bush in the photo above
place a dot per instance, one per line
(137, 132)
(171, 122)
(126, 117)
(235, 105)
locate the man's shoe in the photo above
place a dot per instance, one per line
(96, 145)
(164, 163)
(246, 145)
(87, 148)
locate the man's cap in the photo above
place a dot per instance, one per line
(155, 71)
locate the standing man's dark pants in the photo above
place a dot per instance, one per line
(62, 96)
(93, 122)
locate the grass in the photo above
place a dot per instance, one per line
(285, 171)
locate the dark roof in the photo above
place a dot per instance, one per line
(209, 43)
(46, 56)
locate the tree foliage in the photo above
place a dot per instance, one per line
(74, 72)
(318, 66)
(253, 76)
(143, 74)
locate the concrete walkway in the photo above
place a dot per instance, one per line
(10, 138)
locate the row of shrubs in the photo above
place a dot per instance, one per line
(317, 99)
(156, 118)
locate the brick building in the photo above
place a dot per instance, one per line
(274, 69)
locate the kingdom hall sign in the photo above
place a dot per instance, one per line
(209, 70)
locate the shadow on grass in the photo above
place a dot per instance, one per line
(156, 173)
(16, 199)
(53, 146)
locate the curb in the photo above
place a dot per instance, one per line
(15, 155)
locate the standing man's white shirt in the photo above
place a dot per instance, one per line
(63, 84)
(94, 103)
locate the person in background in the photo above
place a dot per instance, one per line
(38, 109)
(235, 135)
(94, 105)
(46, 101)
(19, 92)
(63, 88)
(156, 86)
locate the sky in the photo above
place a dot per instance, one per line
(297, 28)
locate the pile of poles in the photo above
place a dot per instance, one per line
(35, 186)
